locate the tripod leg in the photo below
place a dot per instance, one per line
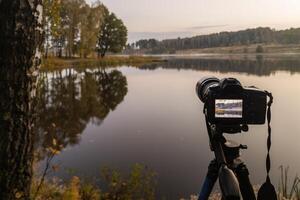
(210, 180)
(246, 188)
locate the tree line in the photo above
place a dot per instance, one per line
(223, 39)
(75, 28)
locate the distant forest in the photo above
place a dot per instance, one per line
(223, 39)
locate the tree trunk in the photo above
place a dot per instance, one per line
(46, 50)
(103, 52)
(20, 42)
(47, 39)
(60, 52)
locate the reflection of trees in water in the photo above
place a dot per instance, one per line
(258, 66)
(69, 100)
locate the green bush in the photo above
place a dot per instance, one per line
(259, 49)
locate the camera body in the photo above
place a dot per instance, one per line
(227, 102)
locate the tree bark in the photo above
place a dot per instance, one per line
(20, 42)
(103, 51)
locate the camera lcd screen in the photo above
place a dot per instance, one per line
(228, 108)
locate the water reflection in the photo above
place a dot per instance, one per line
(259, 65)
(160, 123)
(68, 100)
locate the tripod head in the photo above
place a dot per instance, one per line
(216, 131)
(228, 181)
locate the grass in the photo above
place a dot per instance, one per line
(54, 63)
(139, 184)
(284, 192)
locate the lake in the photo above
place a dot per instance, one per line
(151, 115)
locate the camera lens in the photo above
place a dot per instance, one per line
(203, 86)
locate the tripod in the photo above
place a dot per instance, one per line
(227, 166)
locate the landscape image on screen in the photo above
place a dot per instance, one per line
(228, 108)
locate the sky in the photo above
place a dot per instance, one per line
(162, 19)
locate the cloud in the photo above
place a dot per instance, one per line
(186, 32)
(206, 27)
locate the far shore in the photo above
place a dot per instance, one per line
(237, 50)
(246, 49)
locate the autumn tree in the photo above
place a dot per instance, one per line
(20, 42)
(46, 25)
(71, 19)
(52, 24)
(56, 25)
(112, 35)
(71, 27)
(91, 18)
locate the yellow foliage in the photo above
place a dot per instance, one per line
(73, 190)
(18, 195)
(54, 142)
(139, 184)
(53, 151)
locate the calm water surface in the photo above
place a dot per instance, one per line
(151, 115)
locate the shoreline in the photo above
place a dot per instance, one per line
(266, 49)
(54, 63)
(248, 49)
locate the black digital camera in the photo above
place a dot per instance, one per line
(227, 102)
